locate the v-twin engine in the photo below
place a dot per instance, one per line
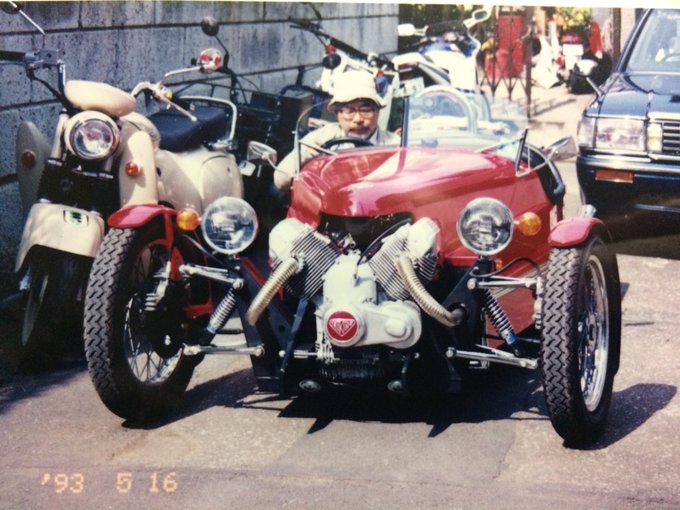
(362, 302)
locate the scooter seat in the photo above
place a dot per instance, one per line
(179, 133)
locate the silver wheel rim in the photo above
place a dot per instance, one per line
(593, 331)
(144, 362)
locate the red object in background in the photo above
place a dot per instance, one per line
(509, 56)
(595, 40)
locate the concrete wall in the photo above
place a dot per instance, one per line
(123, 43)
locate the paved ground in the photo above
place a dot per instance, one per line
(229, 447)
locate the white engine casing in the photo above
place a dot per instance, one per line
(353, 315)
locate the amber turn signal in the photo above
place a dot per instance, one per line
(614, 176)
(188, 219)
(132, 169)
(529, 224)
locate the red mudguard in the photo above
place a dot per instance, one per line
(574, 231)
(134, 216)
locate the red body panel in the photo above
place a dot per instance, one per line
(436, 183)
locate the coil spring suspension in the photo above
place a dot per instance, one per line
(222, 313)
(497, 316)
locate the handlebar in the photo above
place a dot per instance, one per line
(34, 59)
(12, 56)
(164, 95)
(353, 52)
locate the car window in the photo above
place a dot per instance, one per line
(657, 49)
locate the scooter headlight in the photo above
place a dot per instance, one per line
(92, 135)
(485, 226)
(229, 225)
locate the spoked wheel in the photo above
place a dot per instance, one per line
(133, 342)
(581, 339)
(53, 310)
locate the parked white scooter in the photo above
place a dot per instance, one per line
(447, 55)
(449, 46)
(104, 156)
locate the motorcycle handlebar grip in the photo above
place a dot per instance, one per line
(13, 56)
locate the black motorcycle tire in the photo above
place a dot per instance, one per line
(581, 318)
(52, 322)
(119, 275)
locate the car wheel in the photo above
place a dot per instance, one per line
(581, 339)
(53, 311)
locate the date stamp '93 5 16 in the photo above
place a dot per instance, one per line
(124, 482)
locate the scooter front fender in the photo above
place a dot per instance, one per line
(32, 150)
(63, 228)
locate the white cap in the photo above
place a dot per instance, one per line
(352, 85)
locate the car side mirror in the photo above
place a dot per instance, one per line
(564, 148)
(477, 17)
(406, 30)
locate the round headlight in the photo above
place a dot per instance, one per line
(485, 226)
(92, 135)
(229, 225)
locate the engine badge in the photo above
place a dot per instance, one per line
(342, 326)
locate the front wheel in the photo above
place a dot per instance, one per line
(53, 307)
(581, 339)
(134, 350)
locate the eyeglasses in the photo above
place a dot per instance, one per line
(350, 111)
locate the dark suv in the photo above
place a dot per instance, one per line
(629, 135)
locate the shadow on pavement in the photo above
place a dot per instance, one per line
(22, 386)
(18, 382)
(230, 390)
(631, 408)
(496, 394)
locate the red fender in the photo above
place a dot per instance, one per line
(134, 216)
(573, 231)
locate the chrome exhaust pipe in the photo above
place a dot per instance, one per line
(278, 278)
(424, 299)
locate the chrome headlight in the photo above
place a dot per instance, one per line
(229, 225)
(620, 134)
(485, 226)
(92, 135)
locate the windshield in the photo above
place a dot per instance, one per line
(657, 49)
(446, 117)
(436, 117)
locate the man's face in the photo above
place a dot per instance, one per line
(358, 118)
